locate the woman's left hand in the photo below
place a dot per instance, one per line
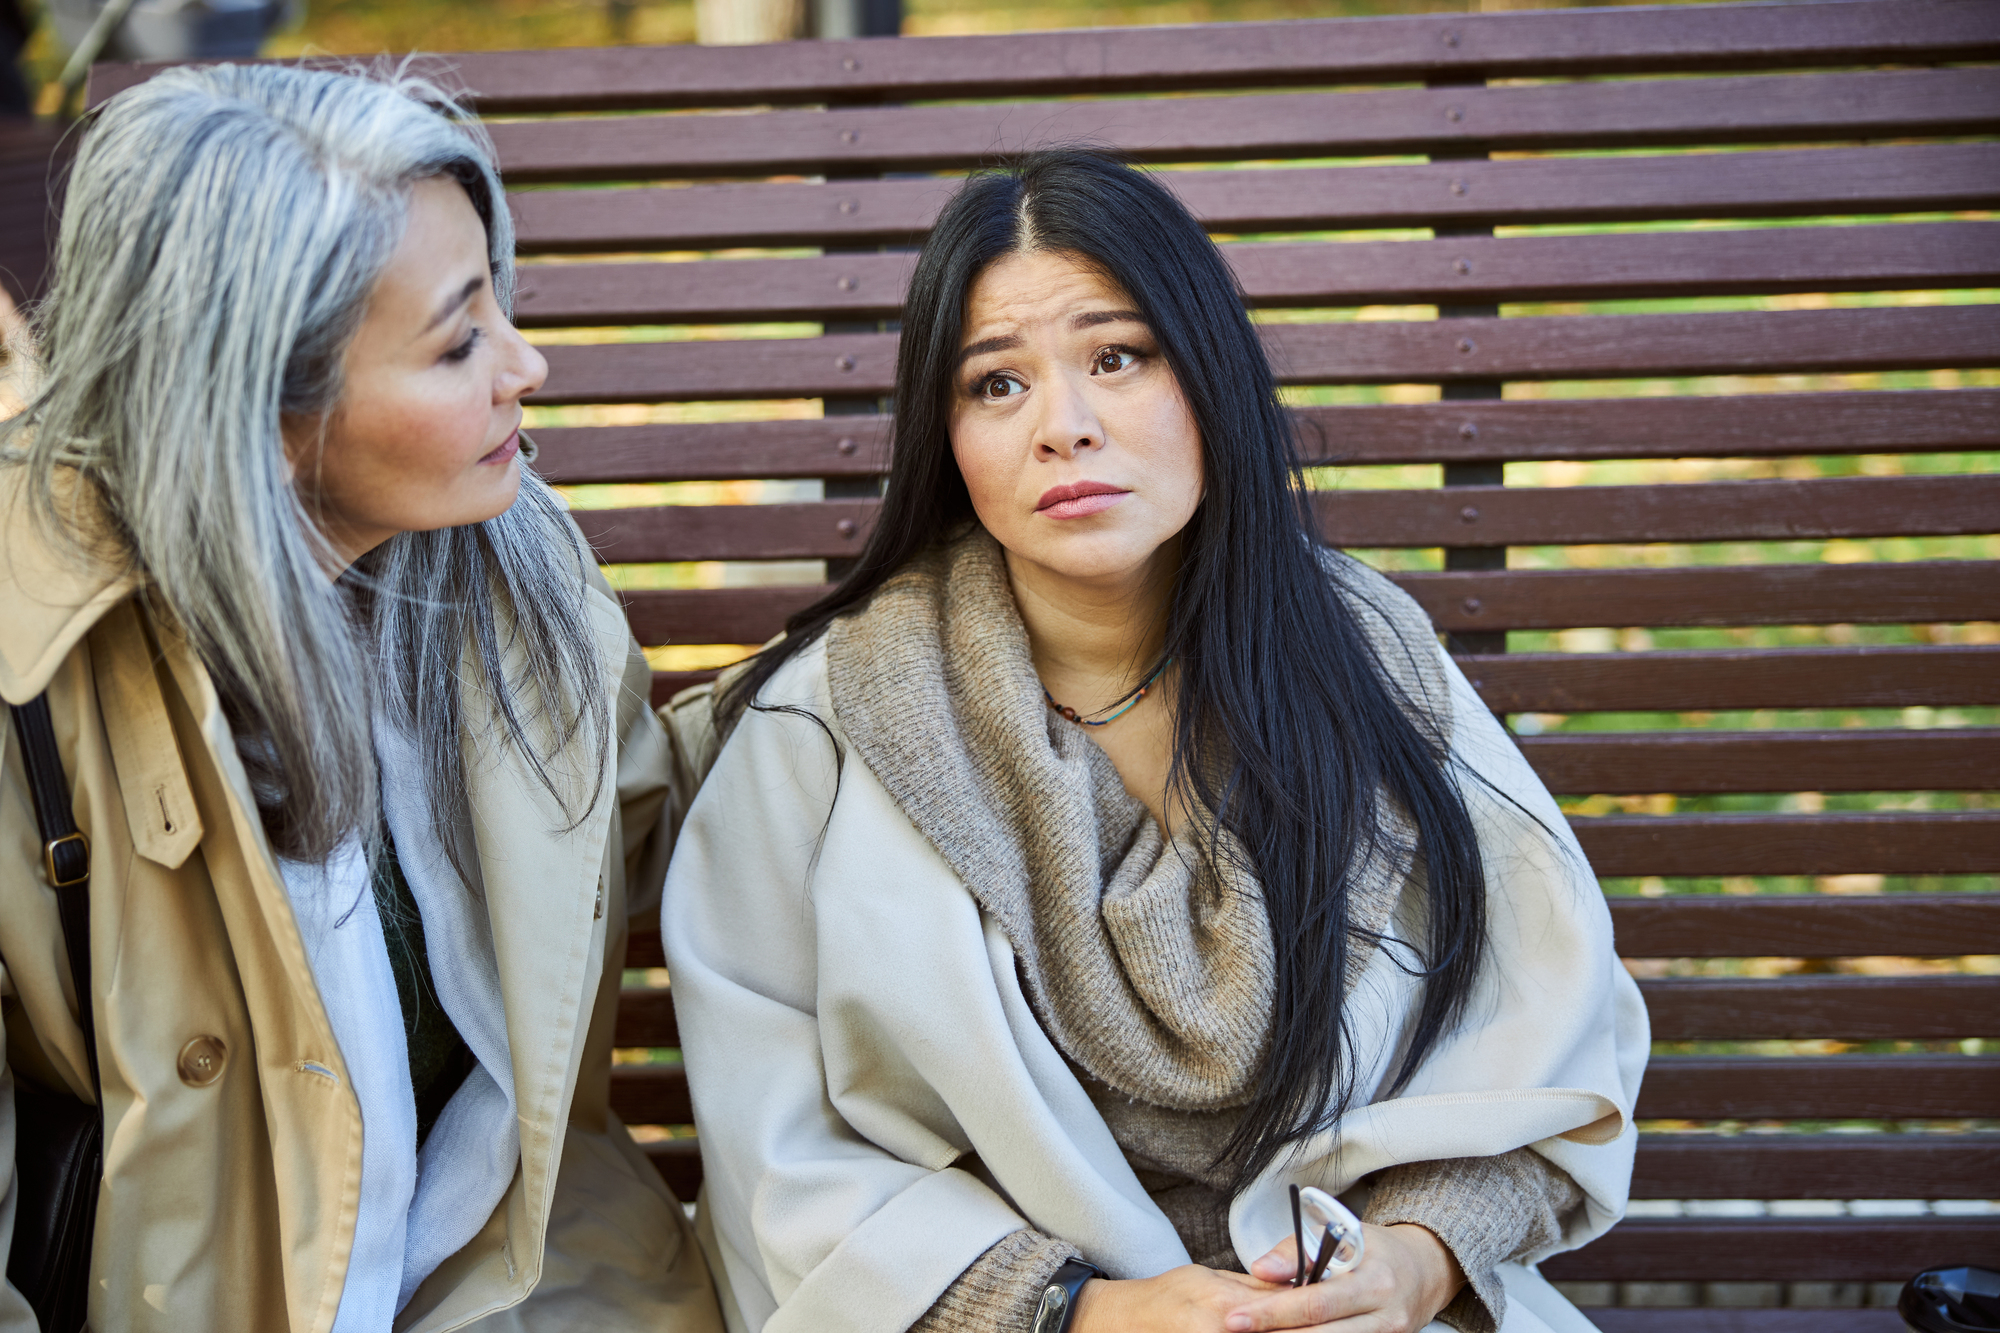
(1405, 1277)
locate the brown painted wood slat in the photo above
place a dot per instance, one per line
(1904, 593)
(1914, 592)
(1211, 56)
(1470, 515)
(1816, 1166)
(679, 1163)
(646, 1018)
(1745, 1319)
(1278, 274)
(1878, 421)
(27, 161)
(666, 684)
(1807, 926)
(1731, 761)
(1942, 676)
(651, 1094)
(1958, 842)
(728, 532)
(1765, 183)
(1731, 110)
(1849, 1008)
(1819, 1087)
(1352, 352)
(1799, 1008)
(1715, 511)
(1875, 1249)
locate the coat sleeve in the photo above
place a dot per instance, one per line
(813, 1225)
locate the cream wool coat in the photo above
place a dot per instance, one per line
(231, 1206)
(878, 1103)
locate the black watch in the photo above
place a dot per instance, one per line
(1058, 1305)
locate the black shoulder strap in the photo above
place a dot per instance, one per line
(65, 852)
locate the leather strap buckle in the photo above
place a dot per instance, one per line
(80, 859)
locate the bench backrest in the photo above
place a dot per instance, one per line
(1619, 219)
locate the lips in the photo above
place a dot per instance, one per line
(1079, 499)
(508, 448)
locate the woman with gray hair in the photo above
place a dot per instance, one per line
(354, 730)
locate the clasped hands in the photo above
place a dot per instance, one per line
(1405, 1277)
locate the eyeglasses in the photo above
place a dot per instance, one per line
(1339, 1247)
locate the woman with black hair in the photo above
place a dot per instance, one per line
(1105, 855)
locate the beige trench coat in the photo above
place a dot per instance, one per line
(231, 1204)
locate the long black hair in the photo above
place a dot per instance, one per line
(1289, 731)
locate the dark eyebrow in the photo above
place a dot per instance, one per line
(1004, 343)
(450, 307)
(1092, 318)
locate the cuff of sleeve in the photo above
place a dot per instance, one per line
(1485, 1210)
(1002, 1288)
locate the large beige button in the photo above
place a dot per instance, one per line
(201, 1061)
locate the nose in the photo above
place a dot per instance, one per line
(1067, 424)
(523, 369)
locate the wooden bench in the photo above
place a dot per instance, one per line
(734, 187)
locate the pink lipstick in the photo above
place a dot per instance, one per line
(1079, 499)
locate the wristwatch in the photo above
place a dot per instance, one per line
(1058, 1305)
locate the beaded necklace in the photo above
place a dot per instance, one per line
(1123, 706)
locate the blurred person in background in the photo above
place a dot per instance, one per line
(357, 734)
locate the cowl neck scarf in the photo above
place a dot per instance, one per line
(1149, 964)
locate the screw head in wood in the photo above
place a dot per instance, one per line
(850, 64)
(1467, 347)
(1468, 430)
(845, 527)
(1454, 114)
(846, 445)
(1451, 37)
(1469, 514)
(845, 284)
(1461, 266)
(1458, 186)
(850, 205)
(844, 362)
(1472, 606)
(850, 136)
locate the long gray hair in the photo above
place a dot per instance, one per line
(223, 231)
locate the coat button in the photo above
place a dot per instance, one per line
(201, 1061)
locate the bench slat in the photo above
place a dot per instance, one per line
(1699, 1009)
(1212, 55)
(1460, 516)
(1714, 1249)
(1352, 352)
(1798, 1008)
(1818, 1087)
(1634, 763)
(1913, 592)
(1816, 1166)
(1716, 511)
(1877, 421)
(1747, 1319)
(1765, 183)
(1732, 110)
(651, 1094)
(1959, 842)
(1737, 678)
(1807, 926)
(1905, 593)
(1277, 274)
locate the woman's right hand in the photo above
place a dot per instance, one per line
(1190, 1299)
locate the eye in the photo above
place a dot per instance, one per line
(464, 349)
(995, 387)
(1112, 360)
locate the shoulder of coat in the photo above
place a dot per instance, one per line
(1404, 641)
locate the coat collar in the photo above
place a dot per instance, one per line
(49, 597)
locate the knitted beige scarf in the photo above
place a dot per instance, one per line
(1148, 966)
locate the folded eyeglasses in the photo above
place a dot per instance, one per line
(1339, 1245)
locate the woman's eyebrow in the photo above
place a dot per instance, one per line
(1092, 318)
(1005, 343)
(458, 299)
